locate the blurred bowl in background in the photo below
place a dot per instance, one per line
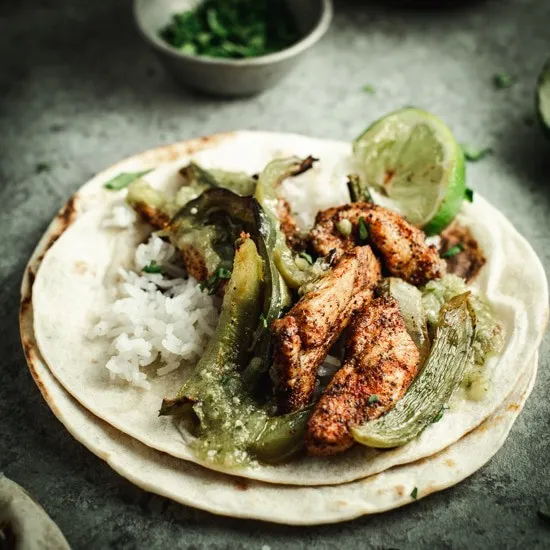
(230, 77)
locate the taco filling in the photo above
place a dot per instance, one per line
(355, 330)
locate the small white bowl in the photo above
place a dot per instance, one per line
(230, 77)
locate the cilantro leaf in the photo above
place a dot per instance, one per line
(473, 154)
(211, 284)
(42, 167)
(373, 399)
(124, 179)
(363, 230)
(469, 194)
(153, 267)
(368, 89)
(453, 251)
(439, 415)
(502, 81)
(414, 493)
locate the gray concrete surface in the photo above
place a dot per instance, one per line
(79, 90)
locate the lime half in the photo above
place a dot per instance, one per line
(543, 97)
(412, 157)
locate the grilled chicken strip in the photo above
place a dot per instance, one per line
(402, 246)
(380, 362)
(304, 336)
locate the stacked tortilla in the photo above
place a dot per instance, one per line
(67, 274)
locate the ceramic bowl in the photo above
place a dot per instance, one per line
(230, 77)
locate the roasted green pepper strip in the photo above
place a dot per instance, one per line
(266, 193)
(228, 418)
(276, 298)
(231, 425)
(282, 437)
(451, 353)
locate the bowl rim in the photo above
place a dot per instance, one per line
(307, 41)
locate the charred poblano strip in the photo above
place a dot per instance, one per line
(451, 353)
(276, 298)
(282, 437)
(230, 425)
(409, 299)
(294, 273)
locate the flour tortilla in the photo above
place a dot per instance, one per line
(29, 524)
(66, 298)
(218, 493)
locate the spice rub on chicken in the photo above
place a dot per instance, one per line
(380, 362)
(304, 336)
(289, 227)
(402, 246)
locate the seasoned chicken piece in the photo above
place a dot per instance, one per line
(469, 260)
(380, 362)
(289, 227)
(402, 246)
(304, 336)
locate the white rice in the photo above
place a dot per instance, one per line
(155, 318)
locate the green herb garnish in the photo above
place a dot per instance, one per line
(232, 28)
(124, 179)
(368, 89)
(153, 267)
(473, 154)
(453, 251)
(373, 399)
(214, 280)
(42, 167)
(307, 257)
(363, 230)
(439, 415)
(414, 493)
(469, 194)
(502, 81)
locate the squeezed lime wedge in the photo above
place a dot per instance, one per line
(412, 157)
(543, 97)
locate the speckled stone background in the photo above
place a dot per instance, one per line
(79, 90)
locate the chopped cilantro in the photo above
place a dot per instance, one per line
(363, 230)
(439, 415)
(453, 251)
(502, 81)
(232, 28)
(473, 154)
(414, 493)
(368, 89)
(469, 194)
(373, 399)
(214, 280)
(153, 267)
(42, 167)
(307, 257)
(124, 179)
